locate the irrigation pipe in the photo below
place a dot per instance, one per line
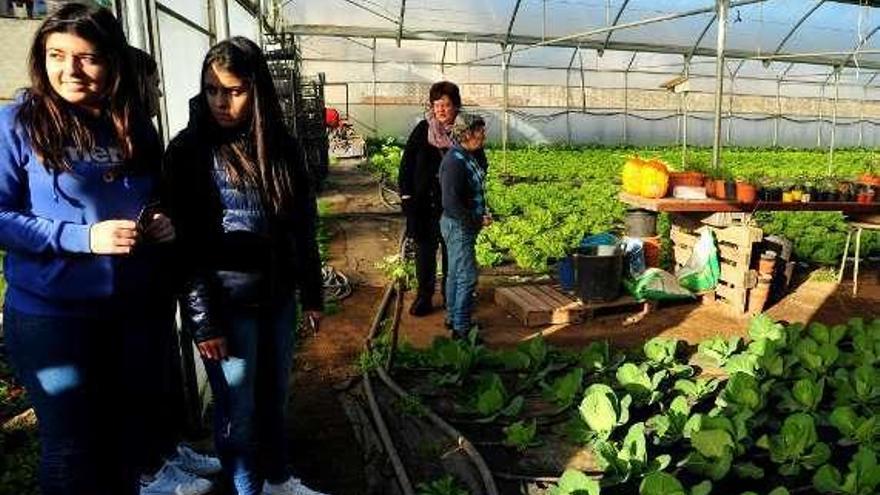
(463, 442)
(394, 457)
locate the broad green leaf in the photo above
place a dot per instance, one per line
(490, 394)
(712, 468)
(634, 447)
(798, 433)
(712, 443)
(808, 393)
(741, 363)
(827, 479)
(741, 392)
(763, 327)
(536, 349)
(634, 379)
(661, 484)
(565, 388)
(520, 435)
(702, 488)
(845, 419)
(748, 470)
(599, 409)
(574, 482)
(819, 455)
(595, 356)
(661, 350)
(514, 407)
(779, 490)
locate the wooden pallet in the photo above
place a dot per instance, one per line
(735, 245)
(535, 305)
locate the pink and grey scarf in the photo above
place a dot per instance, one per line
(438, 134)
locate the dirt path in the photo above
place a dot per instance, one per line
(324, 451)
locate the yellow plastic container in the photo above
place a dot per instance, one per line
(787, 197)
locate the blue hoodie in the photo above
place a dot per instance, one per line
(45, 219)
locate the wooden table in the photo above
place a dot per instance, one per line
(735, 234)
(674, 205)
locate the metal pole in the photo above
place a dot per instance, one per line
(862, 116)
(729, 141)
(819, 124)
(373, 66)
(505, 79)
(260, 13)
(568, 105)
(626, 107)
(684, 124)
(834, 119)
(137, 35)
(583, 83)
(221, 13)
(722, 6)
(778, 112)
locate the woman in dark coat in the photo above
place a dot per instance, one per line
(245, 206)
(420, 188)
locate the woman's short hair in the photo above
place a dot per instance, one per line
(465, 123)
(445, 88)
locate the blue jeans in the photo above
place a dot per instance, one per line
(461, 281)
(95, 386)
(250, 395)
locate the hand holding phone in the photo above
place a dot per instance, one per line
(146, 215)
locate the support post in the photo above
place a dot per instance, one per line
(684, 121)
(373, 68)
(722, 8)
(137, 25)
(862, 116)
(834, 118)
(221, 14)
(778, 112)
(505, 80)
(820, 122)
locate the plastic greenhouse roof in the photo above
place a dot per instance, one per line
(799, 40)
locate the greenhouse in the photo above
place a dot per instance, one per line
(567, 247)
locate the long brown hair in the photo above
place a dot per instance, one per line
(52, 123)
(259, 155)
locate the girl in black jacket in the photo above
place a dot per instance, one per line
(420, 188)
(245, 210)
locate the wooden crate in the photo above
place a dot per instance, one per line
(735, 245)
(535, 305)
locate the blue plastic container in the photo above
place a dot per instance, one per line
(565, 269)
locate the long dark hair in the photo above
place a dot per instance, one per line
(258, 156)
(52, 123)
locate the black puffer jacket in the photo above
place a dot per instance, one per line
(227, 259)
(419, 178)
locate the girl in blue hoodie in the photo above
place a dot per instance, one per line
(79, 167)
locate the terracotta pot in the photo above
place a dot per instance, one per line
(745, 192)
(710, 187)
(766, 264)
(758, 296)
(719, 189)
(693, 179)
(651, 246)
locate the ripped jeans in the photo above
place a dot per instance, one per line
(96, 386)
(250, 395)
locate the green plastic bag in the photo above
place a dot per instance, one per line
(655, 284)
(701, 272)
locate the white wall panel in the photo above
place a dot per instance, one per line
(183, 50)
(242, 23)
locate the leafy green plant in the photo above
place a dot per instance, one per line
(521, 435)
(565, 389)
(446, 485)
(602, 411)
(863, 477)
(574, 482)
(719, 349)
(491, 399)
(796, 446)
(630, 458)
(660, 483)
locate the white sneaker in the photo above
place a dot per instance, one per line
(171, 480)
(293, 486)
(193, 462)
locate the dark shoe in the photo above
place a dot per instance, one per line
(421, 306)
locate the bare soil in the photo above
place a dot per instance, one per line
(324, 449)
